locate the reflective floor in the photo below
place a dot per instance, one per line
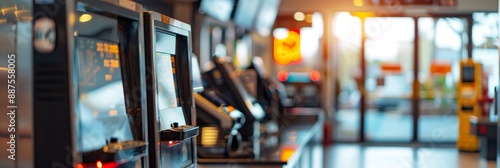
(360, 156)
(364, 156)
(395, 126)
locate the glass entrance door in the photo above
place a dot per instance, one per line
(401, 85)
(388, 79)
(442, 46)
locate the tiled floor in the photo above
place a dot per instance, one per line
(361, 156)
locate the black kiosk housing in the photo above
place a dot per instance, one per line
(170, 92)
(219, 122)
(224, 79)
(89, 103)
(261, 86)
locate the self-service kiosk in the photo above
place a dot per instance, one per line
(89, 105)
(170, 92)
(469, 92)
(220, 124)
(224, 81)
(259, 85)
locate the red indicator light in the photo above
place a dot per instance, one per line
(483, 130)
(282, 76)
(99, 164)
(172, 143)
(110, 165)
(315, 76)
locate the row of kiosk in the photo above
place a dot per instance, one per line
(115, 85)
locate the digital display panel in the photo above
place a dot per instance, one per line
(101, 102)
(218, 9)
(266, 16)
(245, 12)
(167, 90)
(468, 74)
(165, 80)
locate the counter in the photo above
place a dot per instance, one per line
(297, 135)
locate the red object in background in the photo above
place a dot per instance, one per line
(282, 76)
(440, 67)
(99, 164)
(315, 76)
(483, 130)
(172, 143)
(390, 68)
(485, 101)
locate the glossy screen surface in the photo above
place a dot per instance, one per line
(245, 12)
(167, 90)
(219, 9)
(101, 101)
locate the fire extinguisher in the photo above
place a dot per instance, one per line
(485, 101)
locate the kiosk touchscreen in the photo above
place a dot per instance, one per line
(170, 97)
(224, 80)
(88, 101)
(469, 92)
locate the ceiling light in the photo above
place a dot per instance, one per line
(299, 16)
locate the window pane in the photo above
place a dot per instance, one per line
(442, 46)
(389, 77)
(347, 32)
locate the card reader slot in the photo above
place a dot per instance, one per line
(180, 133)
(467, 108)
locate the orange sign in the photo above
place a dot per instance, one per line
(287, 50)
(390, 67)
(440, 68)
